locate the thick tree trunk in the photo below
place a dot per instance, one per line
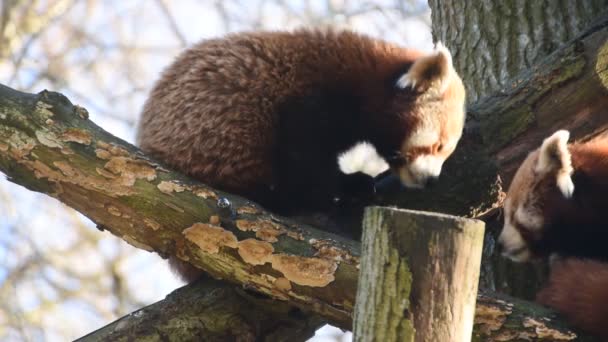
(493, 41)
(418, 276)
(209, 310)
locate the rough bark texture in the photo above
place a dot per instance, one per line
(49, 146)
(503, 318)
(493, 41)
(211, 311)
(419, 276)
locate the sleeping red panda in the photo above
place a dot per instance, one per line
(265, 115)
(556, 205)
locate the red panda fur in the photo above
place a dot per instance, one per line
(573, 227)
(264, 115)
(578, 289)
(592, 159)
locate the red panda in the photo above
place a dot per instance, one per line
(556, 205)
(265, 115)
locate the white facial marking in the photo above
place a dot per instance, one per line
(415, 174)
(450, 145)
(428, 136)
(529, 218)
(362, 157)
(426, 166)
(514, 246)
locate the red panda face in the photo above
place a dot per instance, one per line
(544, 177)
(439, 118)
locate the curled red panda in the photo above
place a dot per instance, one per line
(266, 115)
(556, 205)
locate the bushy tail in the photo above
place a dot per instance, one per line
(578, 289)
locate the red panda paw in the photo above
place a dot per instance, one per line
(578, 289)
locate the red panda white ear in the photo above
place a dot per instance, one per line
(429, 72)
(555, 158)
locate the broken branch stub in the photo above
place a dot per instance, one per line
(418, 278)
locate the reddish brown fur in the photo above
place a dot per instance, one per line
(571, 226)
(579, 290)
(254, 112)
(575, 228)
(592, 159)
(244, 88)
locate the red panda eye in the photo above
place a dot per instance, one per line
(437, 147)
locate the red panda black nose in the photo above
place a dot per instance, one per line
(386, 181)
(431, 181)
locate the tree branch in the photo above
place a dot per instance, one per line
(48, 145)
(211, 311)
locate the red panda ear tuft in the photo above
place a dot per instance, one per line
(429, 72)
(555, 158)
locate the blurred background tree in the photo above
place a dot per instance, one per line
(59, 276)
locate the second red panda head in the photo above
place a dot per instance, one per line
(542, 184)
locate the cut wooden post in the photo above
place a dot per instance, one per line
(418, 277)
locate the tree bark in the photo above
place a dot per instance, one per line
(503, 318)
(418, 276)
(208, 310)
(498, 47)
(493, 41)
(48, 145)
(566, 90)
